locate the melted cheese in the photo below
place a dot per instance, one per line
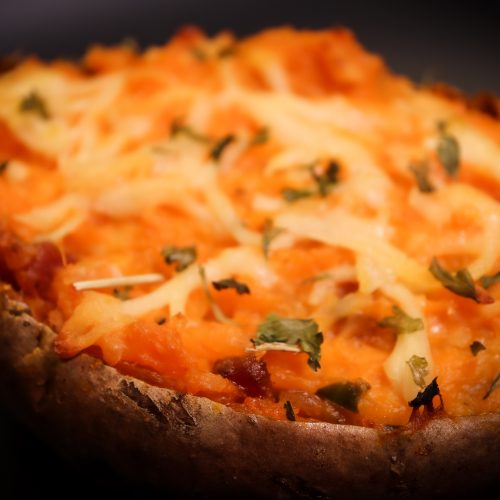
(126, 186)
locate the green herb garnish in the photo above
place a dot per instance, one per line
(419, 369)
(461, 283)
(122, 293)
(178, 128)
(260, 137)
(487, 281)
(448, 150)
(327, 179)
(216, 310)
(33, 103)
(3, 166)
(241, 288)
(301, 333)
(494, 385)
(220, 146)
(292, 195)
(324, 183)
(345, 394)
(421, 172)
(181, 257)
(269, 233)
(290, 414)
(401, 322)
(476, 347)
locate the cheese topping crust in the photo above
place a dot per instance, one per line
(282, 200)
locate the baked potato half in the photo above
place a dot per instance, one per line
(90, 412)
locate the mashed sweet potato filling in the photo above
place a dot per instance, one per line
(287, 174)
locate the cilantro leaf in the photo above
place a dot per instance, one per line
(33, 103)
(220, 146)
(260, 137)
(448, 150)
(241, 288)
(419, 369)
(421, 172)
(487, 281)
(345, 394)
(290, 414)
(216, 310)
(401, 322)
(122, 293)
(181, 257)
(302, 333)
(269, 233)
(291, 195)
(178, 128)
(461, 283)
(327, 179)
(495, 384)
(476, 347)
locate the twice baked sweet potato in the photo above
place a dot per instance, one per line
(252, 267)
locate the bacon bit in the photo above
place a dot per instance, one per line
(27, 267)
(248, 373)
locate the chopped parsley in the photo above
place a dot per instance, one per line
(291, 195)
(3, 166)
(327, 179)
(269, 233)
(122, 293)
(289, 332)
(216, 310)
(161, 320)
(401, 322)
(178, 128)
(495, 384)
(241, 288)
(421, 172)
(290, 414)
(33, 103)
(476, 347)
(345, 394)
(487, 281)
(448, 150)
(220, 146)
(260, 137)
(419, 369)
(461, 283)
(181, 257)
(324, 183)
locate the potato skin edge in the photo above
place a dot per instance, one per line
(154, 436)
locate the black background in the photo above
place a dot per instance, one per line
(427, 41)
(457, 42)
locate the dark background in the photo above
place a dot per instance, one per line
(448, 41)
(457, 42)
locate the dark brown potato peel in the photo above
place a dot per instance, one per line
(196, 447)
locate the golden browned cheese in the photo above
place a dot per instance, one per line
(292, 162)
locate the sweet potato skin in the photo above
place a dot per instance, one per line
(196, 447)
